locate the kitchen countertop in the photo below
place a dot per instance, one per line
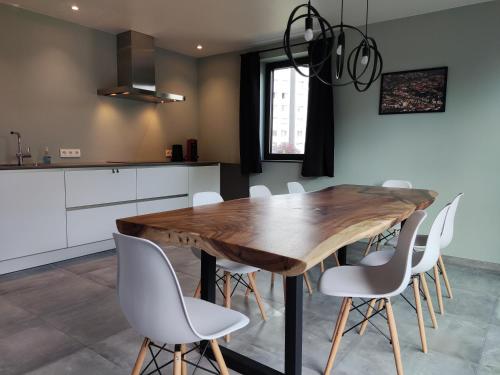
(108, 164)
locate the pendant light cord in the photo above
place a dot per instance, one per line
(366, 19)
(342, 12)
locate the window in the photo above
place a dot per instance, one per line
(286, 111)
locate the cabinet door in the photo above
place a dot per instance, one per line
(156, 182)
(95, 224)
(203, 178)
(88, 187)
(32, 212)
(160, 205)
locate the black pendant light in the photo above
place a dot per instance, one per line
(364, 61)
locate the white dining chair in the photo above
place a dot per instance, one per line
(400, 184)
(295, 187)
(232, 270)
(262, 191)
(374, 283)
(423, 262)
(446, 238)
(151, 299)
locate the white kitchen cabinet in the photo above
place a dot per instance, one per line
(94, 224)
(32, 212)
(160, 205)
(86, 187)
(157, 182)
(203, 178)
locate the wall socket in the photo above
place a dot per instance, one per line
(168, 152)
(69, 152)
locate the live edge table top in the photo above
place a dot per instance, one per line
(287, 234)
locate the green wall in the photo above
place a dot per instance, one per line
(451, 152)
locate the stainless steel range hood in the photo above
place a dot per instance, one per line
(136, 70)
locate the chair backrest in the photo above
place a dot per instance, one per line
(449, 223)
(397, 184)
(432, 247)
(397, 271)
(206, 197)
(295, 188)
(260, 191)
(201, 199)
(149, 293)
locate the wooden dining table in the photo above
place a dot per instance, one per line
(286, 234)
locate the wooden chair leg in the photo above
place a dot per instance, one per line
(256, 293)
(338, 337)
(439, 292)
(249, 289)
(322, 266)
(445, 277)
(184, 369)
(140, 357)
(394, 337)
(369, 246)
(428, 298)
(227, 296)
(371, 305)
(420, 316)
(308, 283)
(218, 357)
(177, 365)
(335, 255)
(381, 304)
(197, 292)
(339, 317)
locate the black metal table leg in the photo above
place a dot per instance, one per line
(293, 325)
(342, 255)
(207, 277)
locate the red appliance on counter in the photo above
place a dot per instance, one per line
(192, 150)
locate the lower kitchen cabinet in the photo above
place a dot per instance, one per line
(95, 224)
(32, 212)
(159, 205)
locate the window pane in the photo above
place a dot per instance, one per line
(289, 111)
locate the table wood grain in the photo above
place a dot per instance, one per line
(287, 234)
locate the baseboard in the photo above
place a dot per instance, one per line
(18, 264)
(487, 266)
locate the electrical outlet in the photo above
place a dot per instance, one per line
(69, 153)
(168, 153)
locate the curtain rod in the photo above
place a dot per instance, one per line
(276, 48)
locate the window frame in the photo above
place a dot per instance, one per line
(270, 67)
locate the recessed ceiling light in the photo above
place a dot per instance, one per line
(75, 7)
(199, 46)
(15, 5)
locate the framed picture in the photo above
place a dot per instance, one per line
(413, 91)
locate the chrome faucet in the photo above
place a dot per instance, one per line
(20, 154)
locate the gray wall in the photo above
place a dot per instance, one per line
(450, 152)
(49, 72)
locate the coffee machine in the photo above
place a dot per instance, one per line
(192, 150)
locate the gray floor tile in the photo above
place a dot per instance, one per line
(121, 348)
(33, 347)
(104, 276)
(90, 263)
(491, 350)
(82, 362)
(53, 291)
(92, 320)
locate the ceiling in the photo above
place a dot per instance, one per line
(219, 25)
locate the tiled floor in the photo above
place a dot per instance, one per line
(65, 319)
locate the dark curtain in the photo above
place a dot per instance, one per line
(250, 114)
(319, 146)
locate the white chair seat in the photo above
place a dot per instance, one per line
(234, 267)
(378, 258)
(420, 241)
(200, 313)
(357, 282)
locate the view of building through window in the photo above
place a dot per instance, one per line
(289, 111)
